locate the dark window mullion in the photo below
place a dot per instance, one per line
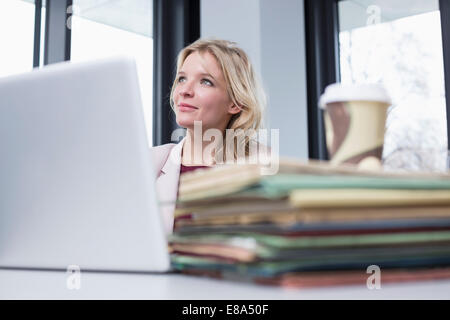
(322, 56)
(37, 33)
(57, 35)
(444, 8)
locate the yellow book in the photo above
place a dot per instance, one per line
(333, 198)
(321, 215)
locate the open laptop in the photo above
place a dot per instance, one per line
(77, 186)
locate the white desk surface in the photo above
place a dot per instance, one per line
(26, 284)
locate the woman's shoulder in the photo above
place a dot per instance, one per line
(163, 147)
(159, 154)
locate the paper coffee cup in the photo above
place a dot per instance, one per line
(355, 118)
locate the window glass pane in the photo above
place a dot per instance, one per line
(399, 44)
(16, 36)
(102, 28)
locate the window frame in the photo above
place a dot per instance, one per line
(37, 32)
(444, 9)
(322, 66)
(57, 42)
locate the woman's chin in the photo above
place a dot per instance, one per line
(185, 123)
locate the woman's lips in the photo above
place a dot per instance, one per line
(184, 107)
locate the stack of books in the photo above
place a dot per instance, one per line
(311, 224)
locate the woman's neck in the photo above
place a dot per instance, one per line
(195, 151)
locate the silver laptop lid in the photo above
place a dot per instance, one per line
(76, 179)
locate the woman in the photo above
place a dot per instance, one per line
(215, 90)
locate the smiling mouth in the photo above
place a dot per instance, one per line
(186, 107)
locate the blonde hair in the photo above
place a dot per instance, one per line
(243, 86)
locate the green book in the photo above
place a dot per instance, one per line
(280, 242)
(281, 185)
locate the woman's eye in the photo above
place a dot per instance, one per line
(181, 79)
(207, 82)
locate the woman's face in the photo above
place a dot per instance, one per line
(201, 94)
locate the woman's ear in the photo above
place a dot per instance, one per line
(234, 109)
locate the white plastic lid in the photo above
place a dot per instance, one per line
(338, 92)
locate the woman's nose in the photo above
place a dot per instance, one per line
(187, 89)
